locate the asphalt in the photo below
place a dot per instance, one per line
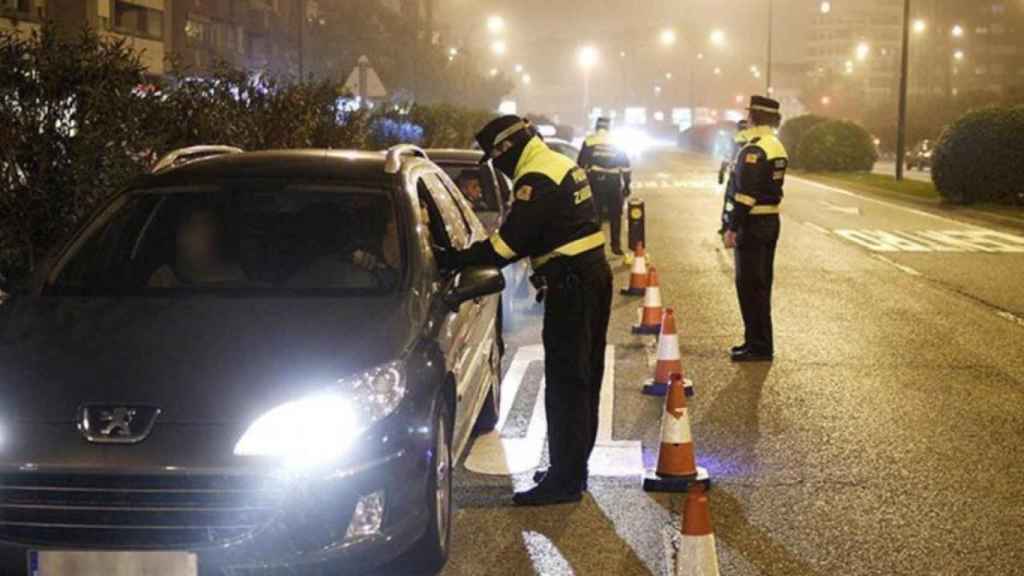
(885, 439)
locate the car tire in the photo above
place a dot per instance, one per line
(487, 421)
(431, 551)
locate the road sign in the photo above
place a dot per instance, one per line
(364, 82)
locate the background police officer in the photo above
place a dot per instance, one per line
(610, 177)
(553, 222)
(753, 230)
(738, 142)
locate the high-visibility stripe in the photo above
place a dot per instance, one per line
(745, 200)
(764, 209)
(502, 248)
(573, 248)
(668, 347)
(508, 132)
(606, 170)
(676, 429)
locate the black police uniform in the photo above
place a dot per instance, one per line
(729, 202)
(760, 174)
(553, 222)
(610, 177)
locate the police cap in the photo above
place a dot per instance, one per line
(764, 104)
(501, 134)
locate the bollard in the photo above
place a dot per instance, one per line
(637, 216)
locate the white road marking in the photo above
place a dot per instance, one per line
(883, 202)
(495, 455)
(977, 240)
(850, 210)
(897, 265)
(817, 228)
(1012, 318)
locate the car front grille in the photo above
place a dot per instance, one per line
(107, 511)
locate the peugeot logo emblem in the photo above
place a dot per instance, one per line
(116, 423)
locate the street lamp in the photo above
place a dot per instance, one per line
(527, 79)
(826, 7)
(957, 31)
(519, 68)
(863, 51)
(499, 47)
(718, 37)
(495, 24)
(920, 26)
(587, 58)
(667, 37)
(958, 55)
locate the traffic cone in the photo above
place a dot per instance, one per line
(669, 361)
(650, 314)
(638, 275)
(698, 555)
(677, 463)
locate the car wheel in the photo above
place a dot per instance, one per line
(491, 412)
(431, 551)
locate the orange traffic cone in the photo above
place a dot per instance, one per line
(698, 555)
(669, 361)
(638, 275)
(650, 314)
(677, 462)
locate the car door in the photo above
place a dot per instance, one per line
(469, 332)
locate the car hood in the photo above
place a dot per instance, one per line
(197, 359)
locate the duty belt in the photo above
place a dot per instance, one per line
(766, 209)
(574, 248)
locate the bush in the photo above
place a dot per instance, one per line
(793, 132)
(837, 146)
(978, 158)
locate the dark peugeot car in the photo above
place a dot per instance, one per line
(248, 364)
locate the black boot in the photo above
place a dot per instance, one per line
(538, 477)
(547, 493)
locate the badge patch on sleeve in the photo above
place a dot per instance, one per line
(524, 193)
(752, 159)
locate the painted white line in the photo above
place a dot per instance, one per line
(817, 228)
(885, 203)
(848, 210)
(1007, 316)
(606, 418)
(514, 378)
(897, 265)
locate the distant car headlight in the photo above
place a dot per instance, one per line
(322, 427)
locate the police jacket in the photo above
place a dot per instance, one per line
(759, 174)
(739, 142)
(552, 216)
(603, 161)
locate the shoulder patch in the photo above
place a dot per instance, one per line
(752, 159)
(579, 175)
(524, 193)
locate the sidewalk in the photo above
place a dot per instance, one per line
(920, 195)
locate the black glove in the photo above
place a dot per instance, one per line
(447, 258)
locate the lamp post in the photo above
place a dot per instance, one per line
(901, 126)
(587, 59)
(771, 38)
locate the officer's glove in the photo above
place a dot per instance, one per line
(447, 258)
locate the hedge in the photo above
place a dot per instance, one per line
(793, 132)
(79, 119)
(837, 146)
(978, 158)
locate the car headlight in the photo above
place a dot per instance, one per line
(322, 427)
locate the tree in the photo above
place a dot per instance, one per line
(837, 146)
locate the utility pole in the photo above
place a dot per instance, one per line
(302, 40)
(901, 127)
(771, 38)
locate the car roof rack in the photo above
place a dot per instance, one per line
(393, 163)
(191, 154)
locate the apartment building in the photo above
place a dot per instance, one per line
(21, 16)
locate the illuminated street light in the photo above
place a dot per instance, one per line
(700, 56)
(863, 51)
(519, 68)
(495, 24)
(494, 72)
(958, 55)
(667, 37)
(587, 57)
(826, 100)
(668, 75)
(957, 31)
(920, 26)
(718, 71)
(657, 89)
(527, 79)
(826, 7)
(453, 52)
(499, 47)
(718, 37)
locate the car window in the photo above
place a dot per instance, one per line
(269, 238)
(469, 215)
(455, 225)
(476, 184)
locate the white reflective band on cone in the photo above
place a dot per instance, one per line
(675, 430)
(698, 556)
(652, 297)
(640, 315)
(639, 265)
(668, 347)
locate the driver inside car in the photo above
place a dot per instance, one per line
(200, 254)
(469, 184)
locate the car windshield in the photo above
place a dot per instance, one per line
(266, 239)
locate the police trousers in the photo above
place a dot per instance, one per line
(756, 241)
(609, 198)
(577, 307)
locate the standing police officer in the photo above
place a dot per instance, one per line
(738, 142)
(610, 177)
(553, 222)
(753, 230)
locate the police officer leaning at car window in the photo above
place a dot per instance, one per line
(610, 177)
(753, 229)
(553, 222)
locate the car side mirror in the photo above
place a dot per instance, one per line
(473, 283)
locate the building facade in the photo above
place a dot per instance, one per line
(21, 16)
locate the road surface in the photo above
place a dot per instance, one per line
(886, 438)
